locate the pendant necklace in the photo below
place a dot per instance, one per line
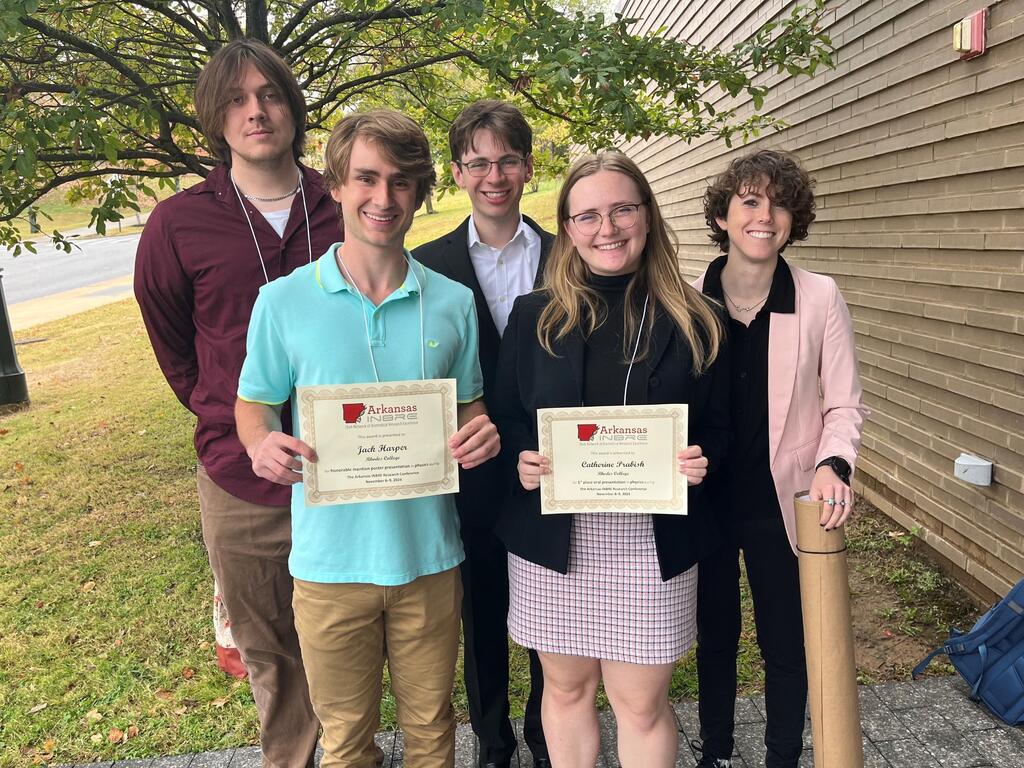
(738, 308)
(636, 347)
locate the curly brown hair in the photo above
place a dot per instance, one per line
(789, 186)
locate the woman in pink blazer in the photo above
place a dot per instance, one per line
(797, 414)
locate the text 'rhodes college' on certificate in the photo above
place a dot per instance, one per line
(613, 459)
(378, 441)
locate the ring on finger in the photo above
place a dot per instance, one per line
(842, 502)
(830, 501)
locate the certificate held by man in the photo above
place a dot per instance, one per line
(613, 459)
(378, 441)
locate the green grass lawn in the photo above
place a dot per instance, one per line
(106, 642)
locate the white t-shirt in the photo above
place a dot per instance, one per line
(277, 219)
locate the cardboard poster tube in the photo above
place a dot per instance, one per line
(828, 640)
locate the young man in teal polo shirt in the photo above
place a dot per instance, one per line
(373, 580)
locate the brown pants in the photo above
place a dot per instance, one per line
(347, 630)
(248, 545)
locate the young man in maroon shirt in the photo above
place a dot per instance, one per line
(202, 258)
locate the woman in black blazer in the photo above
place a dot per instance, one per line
(608, 596)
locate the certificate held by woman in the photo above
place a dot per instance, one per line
(613, 459)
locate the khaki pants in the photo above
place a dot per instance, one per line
(346, 632)
(248, 545)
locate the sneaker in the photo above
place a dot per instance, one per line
(706, 760)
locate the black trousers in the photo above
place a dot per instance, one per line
(485, 657)
(775, 588)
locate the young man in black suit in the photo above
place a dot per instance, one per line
(499, 254)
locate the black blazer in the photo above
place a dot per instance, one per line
(477, 501)
(529, 378)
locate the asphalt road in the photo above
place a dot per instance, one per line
(34, 275)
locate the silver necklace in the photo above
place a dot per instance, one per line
(259, 199)
(252, 230)
(755, 305)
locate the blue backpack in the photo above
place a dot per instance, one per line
(991, 657)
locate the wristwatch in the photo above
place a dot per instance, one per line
(839, 465)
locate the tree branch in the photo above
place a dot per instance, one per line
(394, 12)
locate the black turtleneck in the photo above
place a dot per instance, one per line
(604, 363)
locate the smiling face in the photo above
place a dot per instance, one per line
(377, 201)
(757, 228)
(258, 126)
(612, 250)
(495, 197)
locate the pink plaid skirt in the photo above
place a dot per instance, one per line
(612, 604)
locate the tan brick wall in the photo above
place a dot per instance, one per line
(919, 161)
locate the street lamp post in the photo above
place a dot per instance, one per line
(13, 386)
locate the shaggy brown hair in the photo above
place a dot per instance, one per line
(788, 186)
(399, 140)
(221, 76)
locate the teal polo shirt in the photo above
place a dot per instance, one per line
(308, 329)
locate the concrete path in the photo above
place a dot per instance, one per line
(925, 724)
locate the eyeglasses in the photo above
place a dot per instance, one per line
(508, 165)
(622, 217)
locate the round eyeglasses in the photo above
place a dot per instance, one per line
(622, 217)
(508, 165)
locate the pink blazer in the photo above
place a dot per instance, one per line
(814, 394)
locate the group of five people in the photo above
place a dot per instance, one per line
(266, 276)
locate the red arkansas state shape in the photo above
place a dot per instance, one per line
(352, 411)
(585, 431)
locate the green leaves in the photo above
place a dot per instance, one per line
(100, 94)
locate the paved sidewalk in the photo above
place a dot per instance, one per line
(926, 724)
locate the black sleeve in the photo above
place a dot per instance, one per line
(715, 430)
(515, 424)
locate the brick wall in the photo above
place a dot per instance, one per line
(919, 161)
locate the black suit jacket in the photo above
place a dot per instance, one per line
(478, 500)
(529, 378)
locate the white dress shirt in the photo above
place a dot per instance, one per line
(505, 273)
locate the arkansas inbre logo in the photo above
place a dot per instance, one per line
(351, 412)
(585, 432)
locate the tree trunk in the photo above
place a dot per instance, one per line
(256, 20)
(430, 204)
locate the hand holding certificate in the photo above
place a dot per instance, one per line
(614, 459)
(378, 441)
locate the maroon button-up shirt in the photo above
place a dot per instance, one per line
(197, 273)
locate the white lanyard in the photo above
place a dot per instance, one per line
(366, 323)
(635, 348)
(305, 210)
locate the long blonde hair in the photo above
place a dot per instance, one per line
(574, 303)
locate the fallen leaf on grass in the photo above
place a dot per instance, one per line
(180, 710)
(163, 695)
(205, 645)
(38, 708)
(188, 673)
(96, 738)
(19, 467)
(4, 432)
(94, 543)
(888, 634)
(40, 604)
(114, 735)
(89, 586)
(93, 716)
(219, 702)
(132, 732)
